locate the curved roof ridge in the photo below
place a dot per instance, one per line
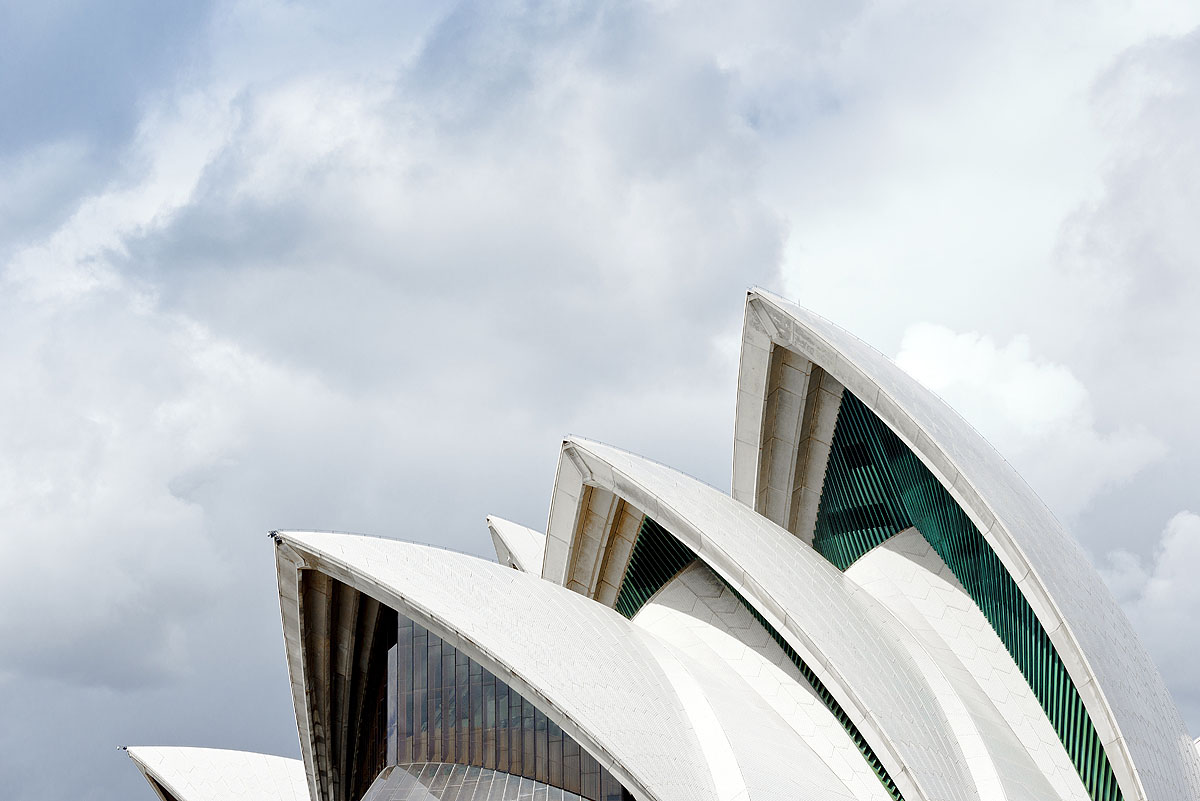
(575, 438)
(276, 533)
(697, 612)
(780, 299)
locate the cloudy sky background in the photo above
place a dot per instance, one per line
(360, 266)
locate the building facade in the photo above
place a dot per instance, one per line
(880, 610)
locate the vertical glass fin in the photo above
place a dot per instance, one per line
(657, 557)
(876, 487)
(450, 709)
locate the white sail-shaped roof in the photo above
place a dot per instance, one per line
(213, 774)
(669, 727)
(516, 545)
(848, 641)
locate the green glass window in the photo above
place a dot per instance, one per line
(656, 558)
(876, 487)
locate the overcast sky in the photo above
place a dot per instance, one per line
(360, 266)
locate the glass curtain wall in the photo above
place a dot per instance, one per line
(445, 707)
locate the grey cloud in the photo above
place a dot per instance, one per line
(100, 559)
(1129, 276)
(71, 69)
(579, 228)
(1161, 597)
(1133, 254)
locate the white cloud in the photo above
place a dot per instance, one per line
(1162, 598)
(1036, 413)
(956, 142)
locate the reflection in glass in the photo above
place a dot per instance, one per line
(448, 708)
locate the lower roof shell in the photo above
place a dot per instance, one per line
(215, 774)
(698, 614)
(651, 715)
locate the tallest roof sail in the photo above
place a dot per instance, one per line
(815, 400)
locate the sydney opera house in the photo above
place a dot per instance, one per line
(879, 609)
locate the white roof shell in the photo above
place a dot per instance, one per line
(212, 774)
(845, 637)
(517, 545)
(697, 613)
(669, 727)
(1143, 732)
